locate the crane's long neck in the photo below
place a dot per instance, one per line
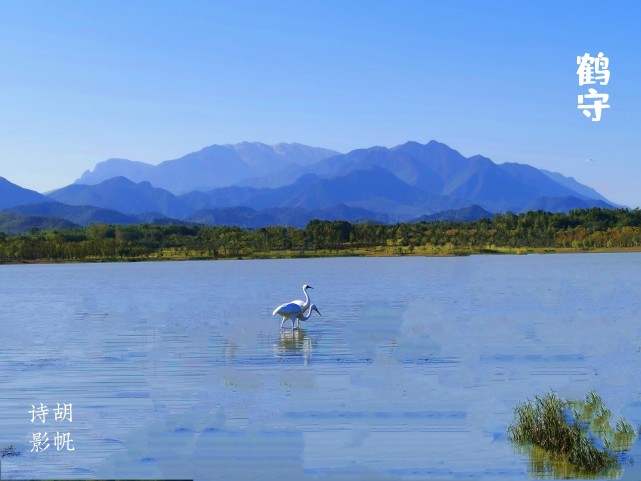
(307, 315)
(307, 301)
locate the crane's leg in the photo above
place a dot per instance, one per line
(282, 322)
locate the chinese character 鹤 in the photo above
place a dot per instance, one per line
(593, 69)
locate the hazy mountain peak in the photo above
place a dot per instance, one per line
(119, 182)
(410, 144)
(115, 167)
(430, 148)
(210, 167)
(287, 145)
(413, 144)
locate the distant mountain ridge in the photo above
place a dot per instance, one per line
(121, 194)
(12, 194)
(435, 169)
(293, 184)
(471, 213)
(210, 167)
(571, 183)
(80, 214)
(12, 223)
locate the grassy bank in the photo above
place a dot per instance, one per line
(436, 251)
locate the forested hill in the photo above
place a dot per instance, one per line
(588, 229)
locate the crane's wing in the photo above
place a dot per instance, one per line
(287, 309)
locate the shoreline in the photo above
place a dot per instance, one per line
(296, 254)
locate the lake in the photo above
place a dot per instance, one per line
(178, 370)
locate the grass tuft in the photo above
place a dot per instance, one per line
(576, 432)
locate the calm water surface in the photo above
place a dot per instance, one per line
(178, 370)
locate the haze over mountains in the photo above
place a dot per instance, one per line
(253, 185)
(211, 167)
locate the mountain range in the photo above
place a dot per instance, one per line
(211, 167)
(254, 185)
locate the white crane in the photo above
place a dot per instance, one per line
(304, 317)
(294, 312)
(294, 309)
(304, 305)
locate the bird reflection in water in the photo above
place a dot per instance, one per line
(293, 344)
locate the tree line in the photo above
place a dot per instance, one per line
(581, 229)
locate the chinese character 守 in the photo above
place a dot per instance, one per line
(598, 105)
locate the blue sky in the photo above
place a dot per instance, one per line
(153, 80)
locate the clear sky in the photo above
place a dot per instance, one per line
(153, 80)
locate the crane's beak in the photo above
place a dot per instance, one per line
(318, 312)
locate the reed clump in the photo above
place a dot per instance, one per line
(578, 432)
